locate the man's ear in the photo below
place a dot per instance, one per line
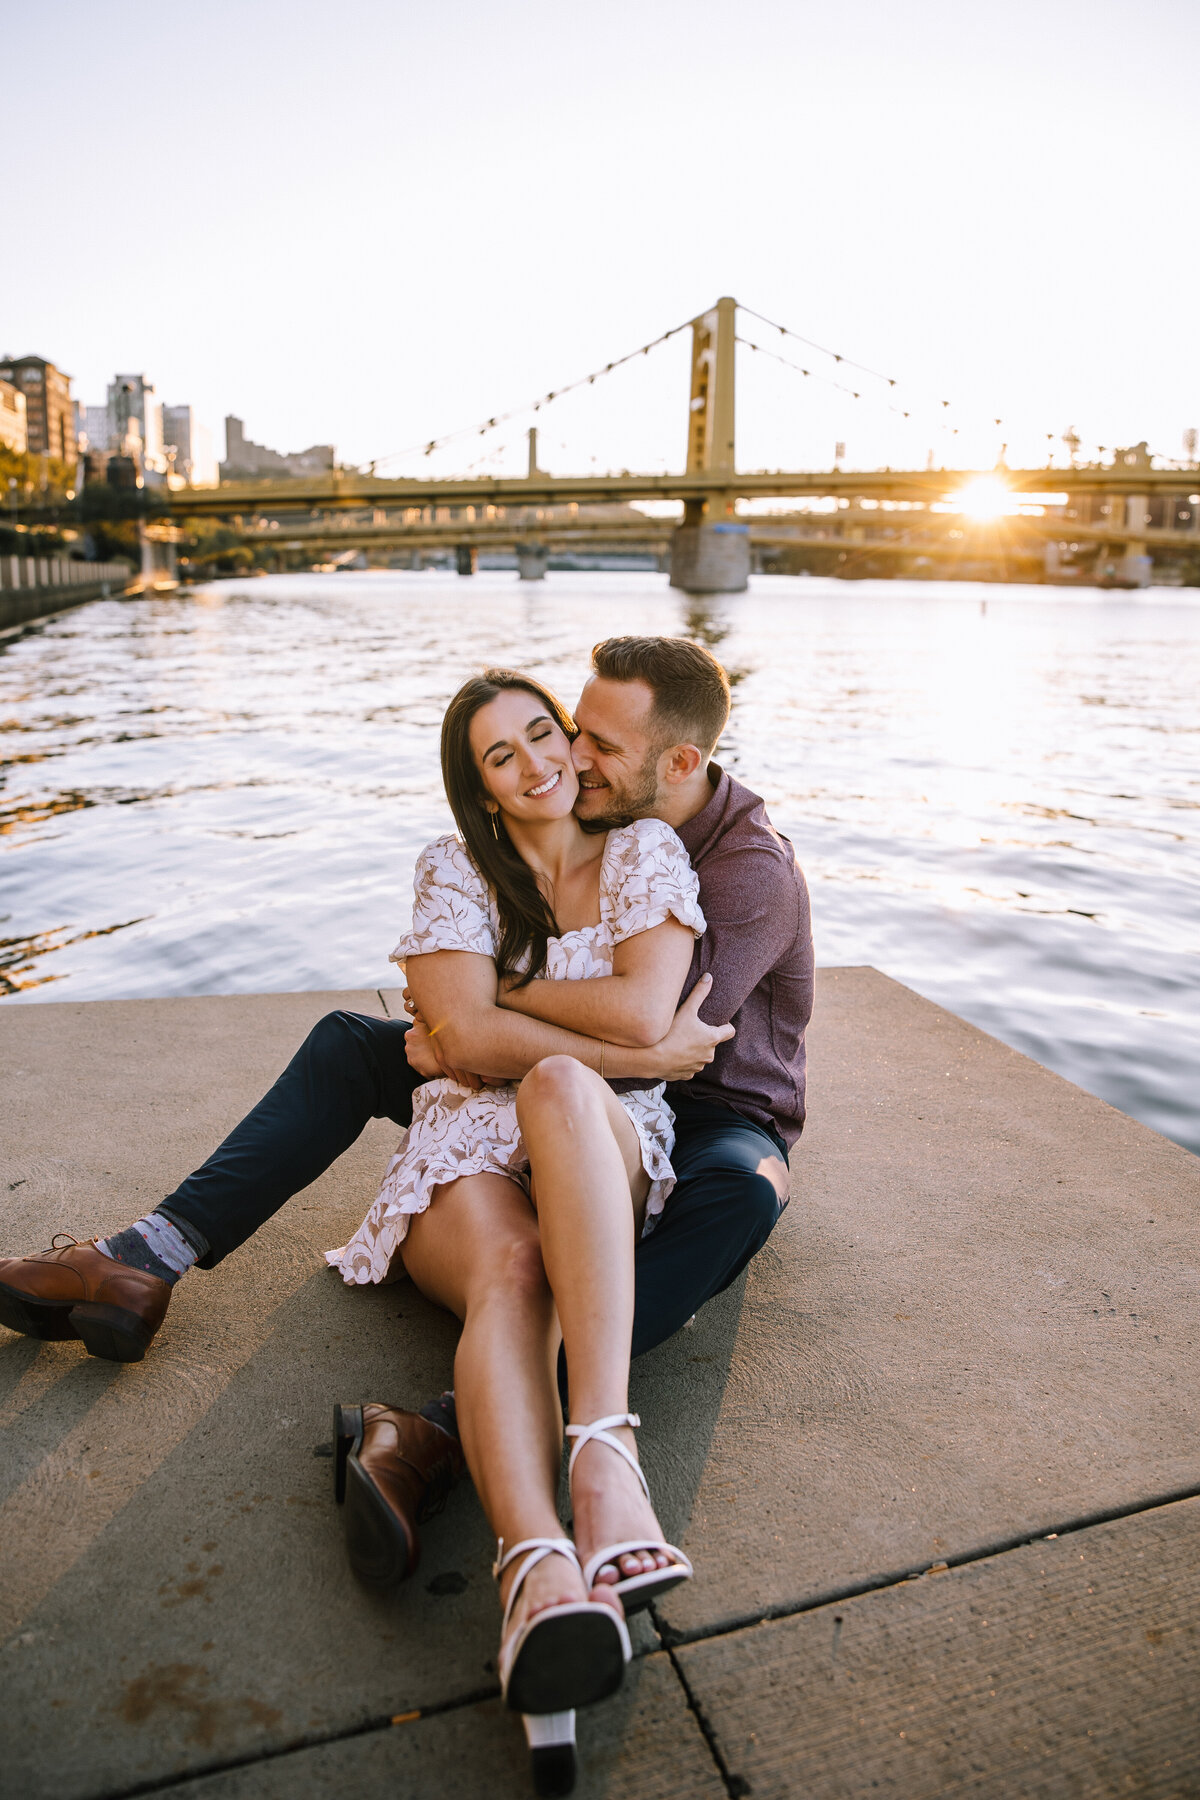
(680, 762)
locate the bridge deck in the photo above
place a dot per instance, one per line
(974, 1328)
(351, 489)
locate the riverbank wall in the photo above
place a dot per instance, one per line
(33, 587)
(934, 1457)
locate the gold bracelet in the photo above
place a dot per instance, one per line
(602, 1059)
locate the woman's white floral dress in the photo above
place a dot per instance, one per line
(645, 878)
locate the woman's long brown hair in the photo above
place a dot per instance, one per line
(526, 921)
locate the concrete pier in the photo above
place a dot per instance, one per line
(935, 1458)
(710, 559)
(532, 562)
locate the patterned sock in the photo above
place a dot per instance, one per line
(441, 1412)
(152, 1244)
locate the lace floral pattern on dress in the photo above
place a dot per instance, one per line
(645, 878)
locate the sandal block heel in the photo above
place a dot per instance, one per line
(552, 1763)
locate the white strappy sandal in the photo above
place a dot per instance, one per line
(564, 1656)
(636, 1591)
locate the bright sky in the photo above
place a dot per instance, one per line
(375, 222)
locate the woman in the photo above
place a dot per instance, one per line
(516, 1206)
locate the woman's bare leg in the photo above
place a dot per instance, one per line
(591, 1189)
(476, 1251)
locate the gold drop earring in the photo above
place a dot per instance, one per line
(495, 827)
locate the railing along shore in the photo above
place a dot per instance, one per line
(33, 586)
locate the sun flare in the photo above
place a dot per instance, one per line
(987, 498)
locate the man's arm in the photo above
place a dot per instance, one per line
(752, 905)
(455, 994)
(632, 1006)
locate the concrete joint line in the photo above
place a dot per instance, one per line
(672, 1639)
(142, 1790)
(385, 1722)
(736, 1786)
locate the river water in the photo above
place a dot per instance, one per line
(994, 791)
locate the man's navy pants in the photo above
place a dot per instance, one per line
(352, 1068)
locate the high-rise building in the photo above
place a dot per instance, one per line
(135, 424)
(49, 414)
(94, 427)
(194, 460)
(14, 434)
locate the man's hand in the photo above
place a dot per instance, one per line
(690, 1045)
(424, 1054)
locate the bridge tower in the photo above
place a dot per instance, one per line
(710, 551)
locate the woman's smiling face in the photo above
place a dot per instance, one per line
(524, 758)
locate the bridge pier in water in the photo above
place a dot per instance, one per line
(710, 551)
(710, 559)
(532, 562)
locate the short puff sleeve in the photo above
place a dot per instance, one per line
(647, 878)
(451, 910)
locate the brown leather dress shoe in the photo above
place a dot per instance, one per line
(77, 1291)
(392, 1469)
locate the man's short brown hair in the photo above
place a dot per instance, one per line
(690, 688)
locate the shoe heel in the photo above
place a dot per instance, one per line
(347, 1436)
(111, 1332)
(551, 1740)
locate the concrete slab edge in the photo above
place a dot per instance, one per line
(836, 1596)
(310, 1741)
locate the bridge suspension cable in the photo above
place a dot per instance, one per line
(939, 407)
(854, 393)
(943, 411)
(430, 445)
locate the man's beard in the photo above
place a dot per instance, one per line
(636, 800)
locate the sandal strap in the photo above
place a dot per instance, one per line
(539, 1549)
(610, 1553)
(599, 1431)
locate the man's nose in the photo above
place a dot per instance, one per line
(581, 753)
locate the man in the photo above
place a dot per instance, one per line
(649, 719)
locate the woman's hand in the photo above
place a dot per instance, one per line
(690, 1045)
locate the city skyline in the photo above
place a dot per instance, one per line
(985, 205)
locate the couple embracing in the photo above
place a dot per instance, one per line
(610, 973)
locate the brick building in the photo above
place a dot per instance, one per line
(13, 430)
(49, 414)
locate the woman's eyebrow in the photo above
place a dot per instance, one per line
(504, 743)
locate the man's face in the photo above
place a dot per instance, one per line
(615, 754)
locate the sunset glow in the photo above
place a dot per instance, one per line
(987, 498)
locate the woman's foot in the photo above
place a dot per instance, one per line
(555, 1581)
(558, 1650)
(610, 1508)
